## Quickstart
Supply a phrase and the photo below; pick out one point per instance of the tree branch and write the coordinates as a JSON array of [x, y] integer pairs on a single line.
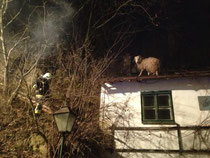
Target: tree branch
[[115, 13], [14, 17], [15, 45]]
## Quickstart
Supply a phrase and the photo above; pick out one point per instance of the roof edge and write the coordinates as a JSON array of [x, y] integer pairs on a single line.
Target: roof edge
[[193, 74]]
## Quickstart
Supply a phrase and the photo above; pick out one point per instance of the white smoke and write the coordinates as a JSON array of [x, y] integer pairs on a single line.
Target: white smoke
[[51, 28]]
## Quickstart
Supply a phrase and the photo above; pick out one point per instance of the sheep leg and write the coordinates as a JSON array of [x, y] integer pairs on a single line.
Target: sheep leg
[[148, 73], [156, 73], [140, 72]]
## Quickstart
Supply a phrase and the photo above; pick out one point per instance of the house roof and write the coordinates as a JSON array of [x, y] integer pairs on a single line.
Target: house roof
[[186, 74]]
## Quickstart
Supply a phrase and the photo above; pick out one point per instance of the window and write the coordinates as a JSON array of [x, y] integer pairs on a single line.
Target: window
[[204, 103], [157, 107]]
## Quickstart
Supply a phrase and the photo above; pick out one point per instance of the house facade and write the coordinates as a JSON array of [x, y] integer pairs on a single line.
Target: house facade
[[158, 116]]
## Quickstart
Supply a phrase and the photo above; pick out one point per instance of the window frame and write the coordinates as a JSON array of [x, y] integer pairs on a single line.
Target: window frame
[[157, 107]]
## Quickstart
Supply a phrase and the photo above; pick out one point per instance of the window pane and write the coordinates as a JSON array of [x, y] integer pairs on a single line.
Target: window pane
[[204, 102], [164, 114], [163, 100], [149, 100], [149, 114]]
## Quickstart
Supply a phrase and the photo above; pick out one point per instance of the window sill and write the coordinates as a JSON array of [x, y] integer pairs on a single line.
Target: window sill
[[158, 122]]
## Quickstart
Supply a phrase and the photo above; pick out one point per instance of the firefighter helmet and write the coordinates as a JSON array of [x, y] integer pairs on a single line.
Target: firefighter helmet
[[47, 76]]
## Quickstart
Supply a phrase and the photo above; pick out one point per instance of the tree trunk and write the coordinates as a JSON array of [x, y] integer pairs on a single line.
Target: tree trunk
[[5, 79], [5, 75]]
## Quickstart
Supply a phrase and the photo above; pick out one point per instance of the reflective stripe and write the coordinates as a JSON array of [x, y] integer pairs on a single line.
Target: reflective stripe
[[38, 96], [38, 108], [37, 111], [34, 86]]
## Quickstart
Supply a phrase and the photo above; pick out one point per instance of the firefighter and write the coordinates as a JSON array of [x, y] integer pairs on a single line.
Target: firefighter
[[42, 91]]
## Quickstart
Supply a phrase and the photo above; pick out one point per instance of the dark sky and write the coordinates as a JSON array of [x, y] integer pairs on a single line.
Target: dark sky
[[181, 39], [176, 31]]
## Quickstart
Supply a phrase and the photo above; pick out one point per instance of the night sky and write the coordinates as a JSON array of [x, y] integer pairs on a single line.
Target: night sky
[[181, 38], [175, 31]]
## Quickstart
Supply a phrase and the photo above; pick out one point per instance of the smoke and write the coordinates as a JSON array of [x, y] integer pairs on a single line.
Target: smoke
[[47, 24], [51, 27]]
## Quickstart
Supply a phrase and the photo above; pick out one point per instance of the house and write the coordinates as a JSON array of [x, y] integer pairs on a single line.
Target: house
[[158, 116]]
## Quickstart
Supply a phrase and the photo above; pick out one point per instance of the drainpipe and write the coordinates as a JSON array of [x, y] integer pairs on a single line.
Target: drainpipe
[[179, 138]]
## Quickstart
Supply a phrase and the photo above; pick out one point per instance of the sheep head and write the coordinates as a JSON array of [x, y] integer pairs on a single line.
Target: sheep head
[[138, 59]]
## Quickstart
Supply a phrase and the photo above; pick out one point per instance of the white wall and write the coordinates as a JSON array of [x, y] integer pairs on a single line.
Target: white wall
[[121, 105], [184, 93]]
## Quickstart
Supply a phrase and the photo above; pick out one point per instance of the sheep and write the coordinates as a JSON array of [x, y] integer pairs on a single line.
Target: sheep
[[150, 64]]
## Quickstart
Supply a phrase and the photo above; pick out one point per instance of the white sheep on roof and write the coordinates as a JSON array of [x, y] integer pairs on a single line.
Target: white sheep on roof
[[150, 64]]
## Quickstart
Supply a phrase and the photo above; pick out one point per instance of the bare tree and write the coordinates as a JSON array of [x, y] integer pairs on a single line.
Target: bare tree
[[12, 48]]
